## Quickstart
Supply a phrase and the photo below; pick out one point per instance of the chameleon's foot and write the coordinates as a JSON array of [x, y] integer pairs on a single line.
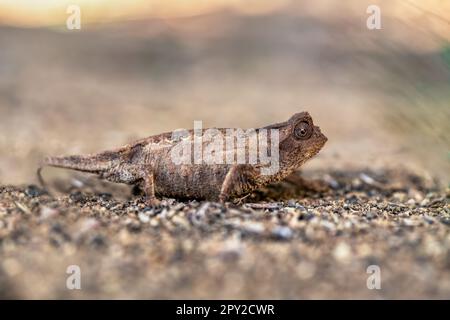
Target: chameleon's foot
[[222, 200], [152, 202], [239, 201], [149, 187]]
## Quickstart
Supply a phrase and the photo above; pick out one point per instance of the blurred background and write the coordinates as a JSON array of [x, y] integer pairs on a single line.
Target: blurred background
[[138, 68]]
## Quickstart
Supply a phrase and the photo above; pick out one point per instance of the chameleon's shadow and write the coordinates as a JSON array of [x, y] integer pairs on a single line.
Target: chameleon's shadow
[[318, 184], [283, 191]]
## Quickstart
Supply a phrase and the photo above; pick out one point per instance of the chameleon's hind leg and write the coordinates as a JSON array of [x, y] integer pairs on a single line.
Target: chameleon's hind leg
[[149, 189], [236, 182]]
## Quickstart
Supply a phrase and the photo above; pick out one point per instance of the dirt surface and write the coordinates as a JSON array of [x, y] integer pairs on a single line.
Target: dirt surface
[[283, 242]]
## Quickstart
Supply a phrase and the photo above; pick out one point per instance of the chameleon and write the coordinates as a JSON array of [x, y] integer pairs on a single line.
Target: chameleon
[[149, 164]]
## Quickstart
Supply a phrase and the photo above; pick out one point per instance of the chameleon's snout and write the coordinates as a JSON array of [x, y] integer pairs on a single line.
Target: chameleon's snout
[[319, 136]]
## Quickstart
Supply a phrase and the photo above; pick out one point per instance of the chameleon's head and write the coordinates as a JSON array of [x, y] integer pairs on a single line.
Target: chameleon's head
[[300, 139]]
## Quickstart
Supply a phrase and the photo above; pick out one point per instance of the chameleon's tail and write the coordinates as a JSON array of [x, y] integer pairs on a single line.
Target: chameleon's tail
[[97, 163], [90, 163]]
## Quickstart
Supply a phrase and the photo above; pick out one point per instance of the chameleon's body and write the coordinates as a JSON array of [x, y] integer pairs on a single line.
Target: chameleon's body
[[149, 164]]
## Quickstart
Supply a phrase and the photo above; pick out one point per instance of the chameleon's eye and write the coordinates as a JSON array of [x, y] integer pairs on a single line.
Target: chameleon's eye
[[303, 130]]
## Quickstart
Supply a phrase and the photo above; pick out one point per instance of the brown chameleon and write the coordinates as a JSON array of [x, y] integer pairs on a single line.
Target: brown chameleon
[[149, 163]]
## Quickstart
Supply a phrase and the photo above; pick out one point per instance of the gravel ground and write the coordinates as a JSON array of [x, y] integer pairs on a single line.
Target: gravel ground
[[281, 242]]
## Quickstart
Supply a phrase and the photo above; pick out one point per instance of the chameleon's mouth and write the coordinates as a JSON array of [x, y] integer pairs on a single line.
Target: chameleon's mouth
[[320, 137]]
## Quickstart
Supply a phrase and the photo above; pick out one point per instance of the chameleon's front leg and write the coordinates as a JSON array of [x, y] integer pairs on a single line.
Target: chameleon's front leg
[[236, 182], [149, 189]]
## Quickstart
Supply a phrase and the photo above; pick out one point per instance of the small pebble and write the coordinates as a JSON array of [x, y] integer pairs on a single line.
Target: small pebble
[[292, 203], [371, 214], [331, 181], [342, 252], [47, 213], [33, 191], [282, 232], [144, 218], [77, 196], [252, 227]]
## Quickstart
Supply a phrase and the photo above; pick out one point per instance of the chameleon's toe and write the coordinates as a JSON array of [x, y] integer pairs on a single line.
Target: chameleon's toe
[[152, 202]]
